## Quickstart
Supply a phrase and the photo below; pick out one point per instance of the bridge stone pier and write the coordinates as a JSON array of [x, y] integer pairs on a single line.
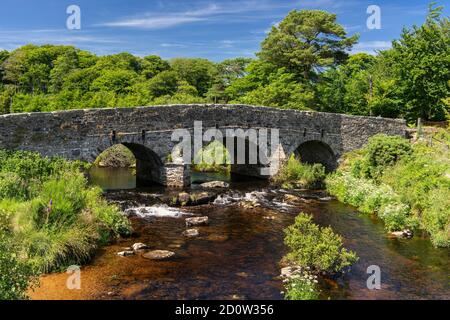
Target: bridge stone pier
[[147, 132]]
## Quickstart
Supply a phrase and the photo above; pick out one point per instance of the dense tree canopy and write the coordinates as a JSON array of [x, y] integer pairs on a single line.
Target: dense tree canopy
[[304, 63]]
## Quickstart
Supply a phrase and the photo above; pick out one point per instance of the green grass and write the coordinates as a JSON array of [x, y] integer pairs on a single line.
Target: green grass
[[295, 174], [54, 216]]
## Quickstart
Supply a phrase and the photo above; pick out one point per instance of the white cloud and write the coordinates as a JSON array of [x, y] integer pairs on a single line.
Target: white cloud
[[208, 12], [371, 46]]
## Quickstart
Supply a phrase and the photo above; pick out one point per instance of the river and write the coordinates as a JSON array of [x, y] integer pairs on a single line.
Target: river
[[237, 256]]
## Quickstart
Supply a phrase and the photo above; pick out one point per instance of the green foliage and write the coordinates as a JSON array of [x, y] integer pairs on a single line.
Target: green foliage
[[410, 80], [411, 190], [48, 207], [117, 156], [305, 41], [380, 153], [316, 248], [421, 65], [300, 175], [303, 286], [16, 276]]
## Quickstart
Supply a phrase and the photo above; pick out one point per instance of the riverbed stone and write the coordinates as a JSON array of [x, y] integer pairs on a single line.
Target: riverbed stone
[[125, 253], [199, 198], [139, 247], [158, 255], [197, 221], [183, 198], [404, 234], [215, 185], [190, 233], [291, 198]]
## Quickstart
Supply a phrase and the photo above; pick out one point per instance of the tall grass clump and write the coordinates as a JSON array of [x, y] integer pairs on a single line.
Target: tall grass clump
[[47, 206], [295, 174], [406, 185]]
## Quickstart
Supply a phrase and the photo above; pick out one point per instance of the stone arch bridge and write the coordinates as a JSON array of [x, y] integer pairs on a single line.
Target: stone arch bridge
[[147, 132]]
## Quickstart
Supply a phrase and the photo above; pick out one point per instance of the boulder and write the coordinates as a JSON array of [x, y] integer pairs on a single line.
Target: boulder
[[158, 255], [190, 233], [215, 185], [291, 198], [125, 253], [139, 246], [199, 198], [193, 199], [197, 221], [405, 234], [183, 198]]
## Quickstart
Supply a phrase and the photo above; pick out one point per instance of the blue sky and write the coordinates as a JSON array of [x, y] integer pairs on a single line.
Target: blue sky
[[210, 29]]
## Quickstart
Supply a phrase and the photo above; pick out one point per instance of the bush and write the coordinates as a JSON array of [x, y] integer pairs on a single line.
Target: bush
[[12, 186], [380, 153], [118, 156], [16, 276], [315, 248], [297, 174]]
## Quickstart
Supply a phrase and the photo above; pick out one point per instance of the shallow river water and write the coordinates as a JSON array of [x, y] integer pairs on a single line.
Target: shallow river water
[[237, 256]]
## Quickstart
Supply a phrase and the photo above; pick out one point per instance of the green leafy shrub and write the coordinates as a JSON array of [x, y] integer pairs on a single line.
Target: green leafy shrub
[[16, 276], [380, 153], [117, 156], [12, 186], [316, 248], [297, 174]]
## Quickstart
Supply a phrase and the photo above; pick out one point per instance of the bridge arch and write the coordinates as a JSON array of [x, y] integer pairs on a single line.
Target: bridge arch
[[316, 151], [149, 166]]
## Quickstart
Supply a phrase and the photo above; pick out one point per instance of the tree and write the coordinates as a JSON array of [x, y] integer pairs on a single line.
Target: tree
[[164, 83], [422, 64], [306, 42], [199, 73], [152, 65]]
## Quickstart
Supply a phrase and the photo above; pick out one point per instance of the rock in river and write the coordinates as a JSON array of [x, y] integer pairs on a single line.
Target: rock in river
[[197, 221], [191, 233], [139, 246], [215, 185], [125, 253], [407, 234], [158, 255]]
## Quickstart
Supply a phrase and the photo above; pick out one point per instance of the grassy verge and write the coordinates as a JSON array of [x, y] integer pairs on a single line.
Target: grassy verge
[[295, 174], [406, 185], [50, 215]]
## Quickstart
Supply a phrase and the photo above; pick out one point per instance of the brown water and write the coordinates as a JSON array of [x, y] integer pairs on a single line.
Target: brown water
[[237, 256]]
